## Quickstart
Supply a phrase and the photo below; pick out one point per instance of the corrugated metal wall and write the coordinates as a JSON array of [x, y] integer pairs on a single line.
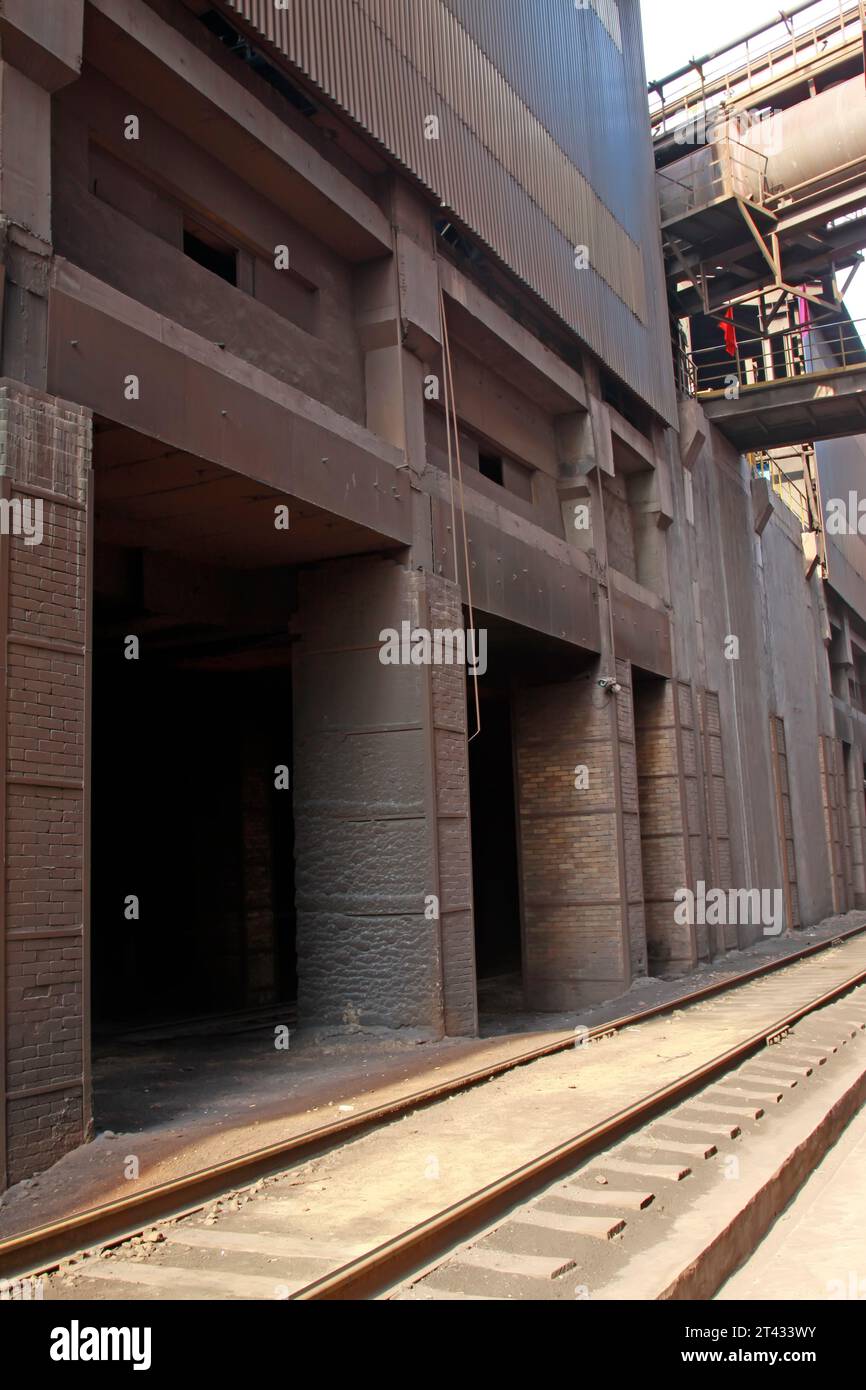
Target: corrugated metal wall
[[543, 142]]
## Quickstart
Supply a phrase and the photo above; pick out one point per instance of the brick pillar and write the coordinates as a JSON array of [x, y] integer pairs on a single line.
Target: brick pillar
[[629, 812], [785, 822], [583, 929], [845, 823], [259, 926], [718, 862], [671, 835], [832, 781], [381, 798], [45, 451], [857, 820]]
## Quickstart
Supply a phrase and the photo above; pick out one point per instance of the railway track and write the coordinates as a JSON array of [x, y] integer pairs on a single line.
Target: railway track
[[667, 1135], [200, 1250]]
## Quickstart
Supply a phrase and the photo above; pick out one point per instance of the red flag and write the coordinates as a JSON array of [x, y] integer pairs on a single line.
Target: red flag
[[730, 332]]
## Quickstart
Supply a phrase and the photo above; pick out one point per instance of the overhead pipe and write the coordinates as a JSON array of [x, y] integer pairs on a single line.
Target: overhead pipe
[[812, 139], [697, 63]]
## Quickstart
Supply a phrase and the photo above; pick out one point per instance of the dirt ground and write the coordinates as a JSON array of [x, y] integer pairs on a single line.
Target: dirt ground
[[175, 1101]]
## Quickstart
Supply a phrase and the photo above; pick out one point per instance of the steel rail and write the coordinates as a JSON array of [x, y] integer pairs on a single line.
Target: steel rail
[[411, 1252], [44, 1247]]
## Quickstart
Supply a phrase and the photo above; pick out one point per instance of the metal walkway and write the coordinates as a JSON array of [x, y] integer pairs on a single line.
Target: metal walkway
[[761, 157]]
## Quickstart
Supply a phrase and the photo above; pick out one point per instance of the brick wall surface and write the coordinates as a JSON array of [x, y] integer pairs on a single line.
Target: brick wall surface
[[665, 812], [834, 796], [845, 824], [857, 819], [583, 930], [784, 822], [625, 761], [719, 865], [45, 452], [259, 947]]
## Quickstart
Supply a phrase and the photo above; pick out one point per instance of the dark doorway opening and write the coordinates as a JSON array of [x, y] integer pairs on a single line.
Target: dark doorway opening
[[494, 840], [514, 657], [192, 899], [192, 883], [192, 912]]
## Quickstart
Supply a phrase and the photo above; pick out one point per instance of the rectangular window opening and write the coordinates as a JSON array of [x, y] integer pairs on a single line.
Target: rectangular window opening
[[212, 252], [490, 466]]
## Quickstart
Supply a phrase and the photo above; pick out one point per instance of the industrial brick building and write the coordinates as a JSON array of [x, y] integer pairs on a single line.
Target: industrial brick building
[[320, 319]]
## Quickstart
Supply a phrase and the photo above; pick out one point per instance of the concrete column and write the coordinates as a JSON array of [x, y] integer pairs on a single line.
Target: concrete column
[[41, 49], [44, 612], [44, 719], [579, 833], [397, 311], [382, 840]]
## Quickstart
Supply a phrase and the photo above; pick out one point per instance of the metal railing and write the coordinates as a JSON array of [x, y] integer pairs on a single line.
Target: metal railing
[[771, 357], [788, 471], [801, 35], [726, 169]]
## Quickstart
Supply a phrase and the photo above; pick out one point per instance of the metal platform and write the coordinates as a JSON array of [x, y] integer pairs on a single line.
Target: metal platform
[[769, 415]]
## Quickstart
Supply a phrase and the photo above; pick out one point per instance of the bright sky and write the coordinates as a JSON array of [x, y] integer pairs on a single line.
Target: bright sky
[[677, 30]]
